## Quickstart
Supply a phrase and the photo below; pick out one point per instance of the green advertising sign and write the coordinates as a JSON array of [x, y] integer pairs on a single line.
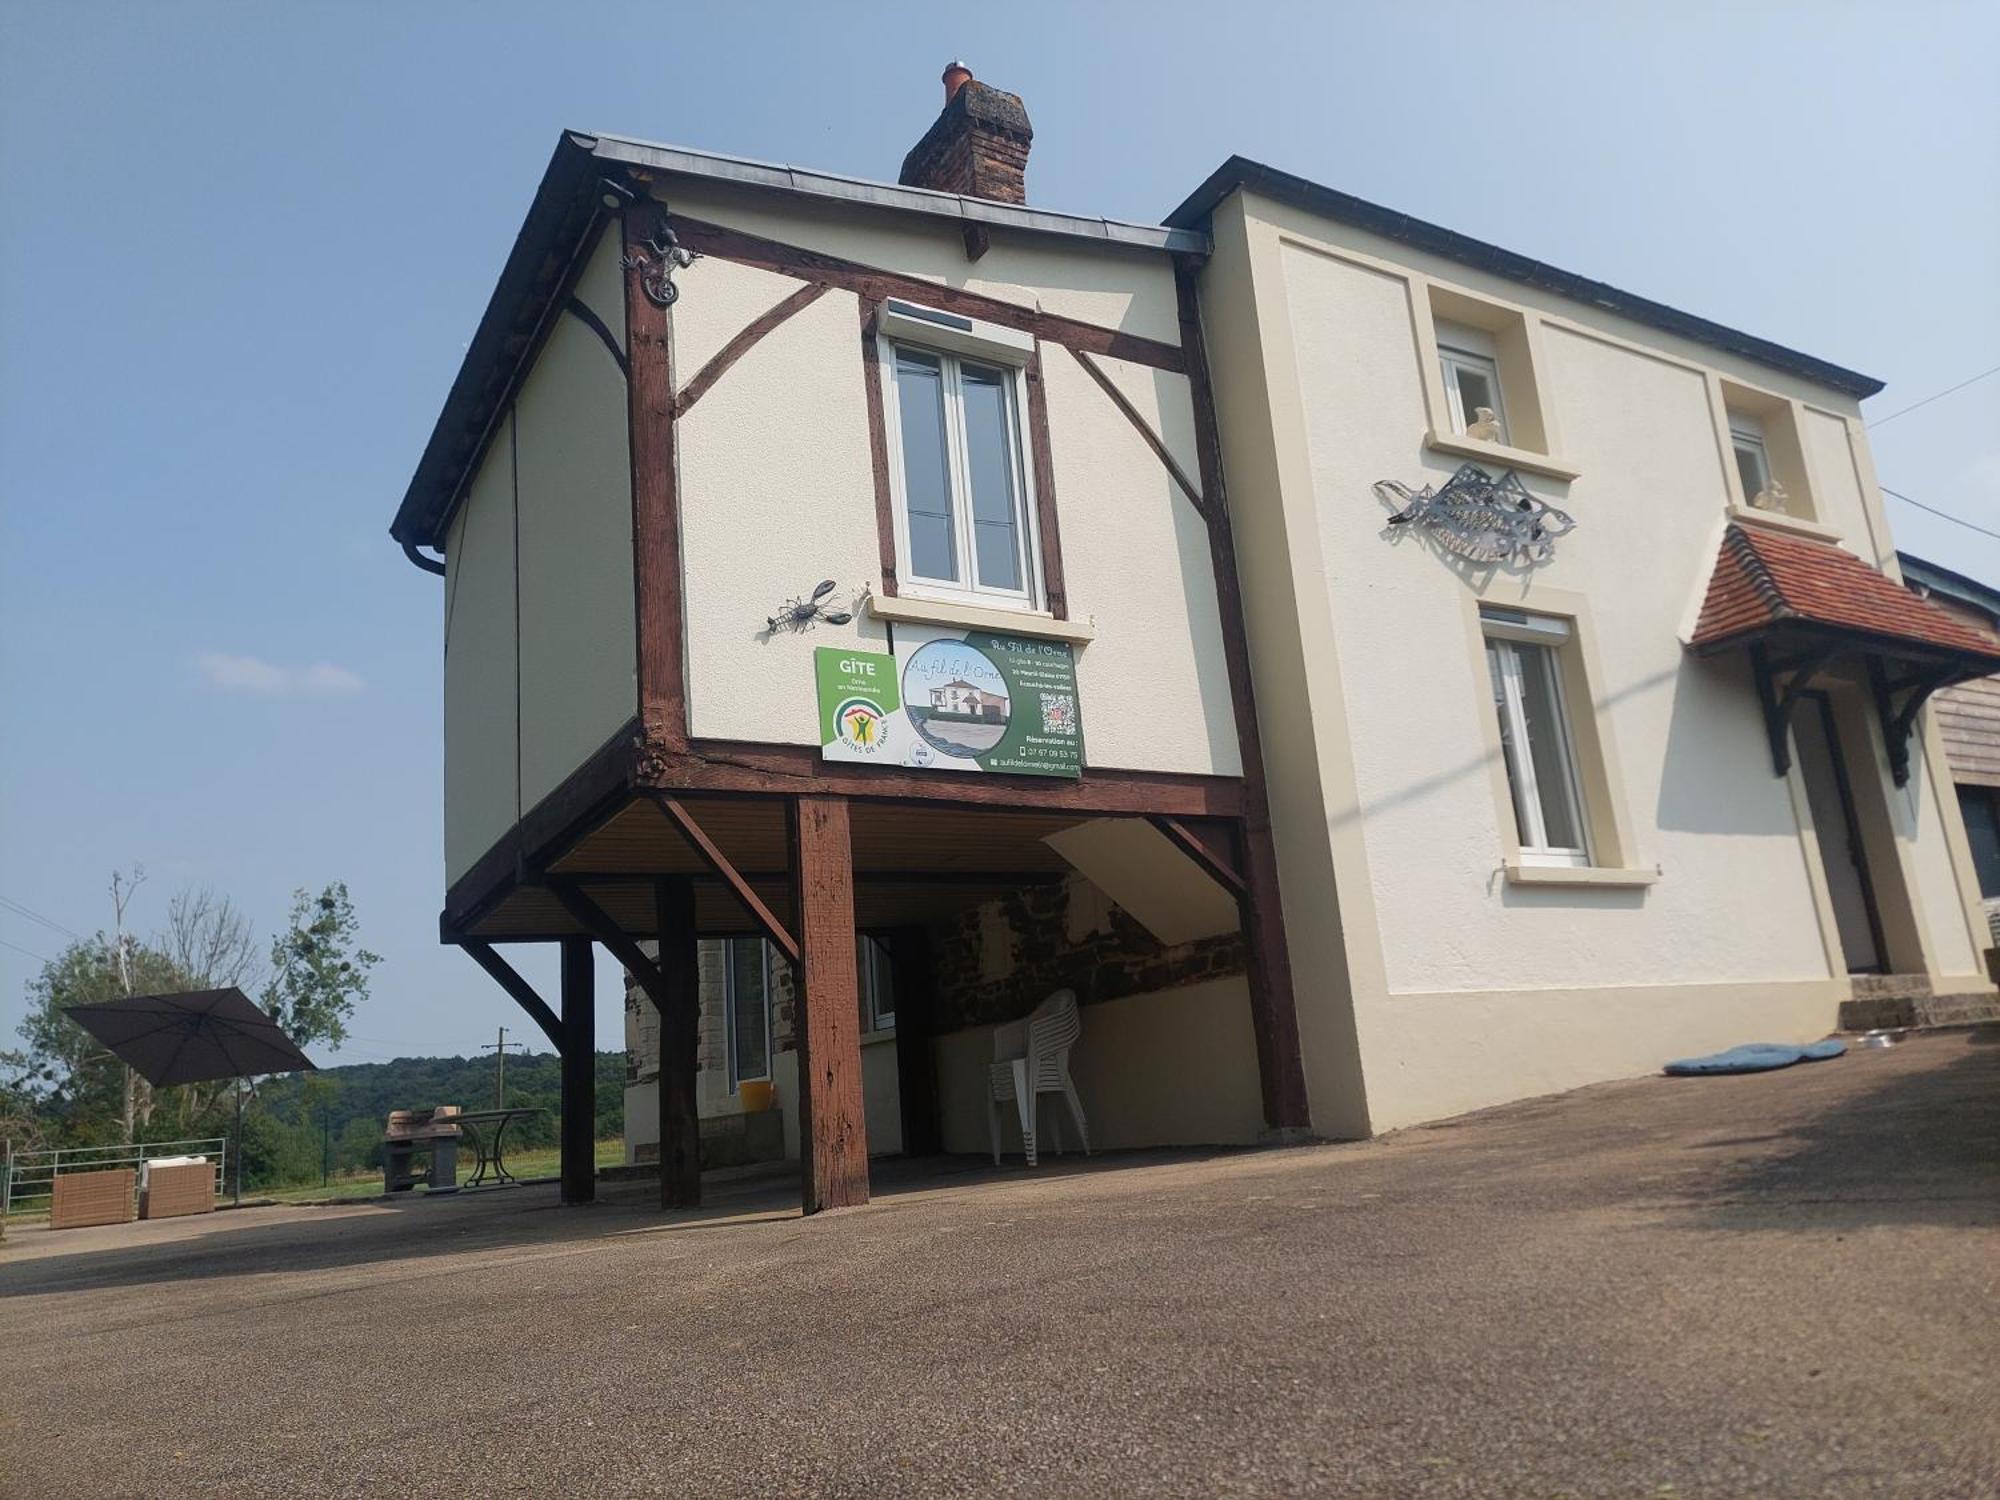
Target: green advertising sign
[[953, 702]]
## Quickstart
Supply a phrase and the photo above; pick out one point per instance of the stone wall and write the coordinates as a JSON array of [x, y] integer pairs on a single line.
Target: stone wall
[[998, 961]]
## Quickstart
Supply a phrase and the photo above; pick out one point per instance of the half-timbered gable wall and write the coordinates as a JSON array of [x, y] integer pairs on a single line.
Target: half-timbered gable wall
[[777, 487]]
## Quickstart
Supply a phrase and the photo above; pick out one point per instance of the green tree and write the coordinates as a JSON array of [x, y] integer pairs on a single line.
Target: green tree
[[318, 974]]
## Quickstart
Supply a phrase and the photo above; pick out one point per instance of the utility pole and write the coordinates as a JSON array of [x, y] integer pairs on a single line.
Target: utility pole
[[499, 1051], [121, 896]]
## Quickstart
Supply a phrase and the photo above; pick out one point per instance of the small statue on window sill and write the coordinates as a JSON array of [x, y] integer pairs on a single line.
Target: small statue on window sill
[[1485, 426], [1771, 497]]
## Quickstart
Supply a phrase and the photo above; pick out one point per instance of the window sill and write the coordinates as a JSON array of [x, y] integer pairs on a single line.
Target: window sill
[[1520, 874], [1500, 454], [1028, 622], [1778, 520], [876, 1038]]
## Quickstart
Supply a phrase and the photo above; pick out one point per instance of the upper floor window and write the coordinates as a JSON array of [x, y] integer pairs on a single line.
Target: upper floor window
[[959, 458], [1471, 367], [1753, 460], [1535, 736]]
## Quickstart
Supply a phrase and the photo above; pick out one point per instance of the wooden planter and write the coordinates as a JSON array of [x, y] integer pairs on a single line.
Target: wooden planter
[[85, 1198]]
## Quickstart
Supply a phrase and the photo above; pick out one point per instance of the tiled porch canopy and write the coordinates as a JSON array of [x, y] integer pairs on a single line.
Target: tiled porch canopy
[[1800, 605]]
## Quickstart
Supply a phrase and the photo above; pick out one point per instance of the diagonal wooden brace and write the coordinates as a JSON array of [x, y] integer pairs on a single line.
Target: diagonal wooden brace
[[717, 861], [509, 979]]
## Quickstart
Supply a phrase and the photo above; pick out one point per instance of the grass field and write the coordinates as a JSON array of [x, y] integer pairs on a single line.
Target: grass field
[[541, 1161]]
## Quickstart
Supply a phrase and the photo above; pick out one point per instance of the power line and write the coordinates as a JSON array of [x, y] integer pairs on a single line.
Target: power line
[[28, 951], [1884, 421], [34, 916], [1942, 514]]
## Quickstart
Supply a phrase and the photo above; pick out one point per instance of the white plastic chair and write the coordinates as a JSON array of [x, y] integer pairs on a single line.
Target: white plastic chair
[[1031, 1058]]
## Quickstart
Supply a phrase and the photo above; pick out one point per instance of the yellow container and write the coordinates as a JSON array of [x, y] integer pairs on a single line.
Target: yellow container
[[756, 1096]]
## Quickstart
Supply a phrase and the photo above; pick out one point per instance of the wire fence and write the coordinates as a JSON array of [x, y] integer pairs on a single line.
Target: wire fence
[[28, 1178]]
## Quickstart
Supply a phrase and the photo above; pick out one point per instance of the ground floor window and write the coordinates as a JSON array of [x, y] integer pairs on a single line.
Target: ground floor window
[[1981, 806], [878, 995], [747, 985], [1535, 739]]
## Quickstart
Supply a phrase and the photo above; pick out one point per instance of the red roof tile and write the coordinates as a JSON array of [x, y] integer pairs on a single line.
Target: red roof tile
[[1764, 578]]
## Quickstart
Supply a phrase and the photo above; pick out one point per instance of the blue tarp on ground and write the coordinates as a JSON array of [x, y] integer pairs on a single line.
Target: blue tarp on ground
[[1756, 1057]]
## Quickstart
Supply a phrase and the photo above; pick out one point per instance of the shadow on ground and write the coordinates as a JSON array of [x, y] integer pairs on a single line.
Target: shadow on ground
[[295, 1239], [1921, 1147]]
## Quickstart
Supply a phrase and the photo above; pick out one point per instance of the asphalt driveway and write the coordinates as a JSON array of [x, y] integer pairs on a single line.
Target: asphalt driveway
[[1773, 1285]]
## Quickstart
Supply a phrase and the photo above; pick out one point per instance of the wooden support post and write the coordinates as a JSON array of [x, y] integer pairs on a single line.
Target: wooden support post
[[833, 1131], [678, 1001], [1273, 1013], [579, 1073], [914, 983]]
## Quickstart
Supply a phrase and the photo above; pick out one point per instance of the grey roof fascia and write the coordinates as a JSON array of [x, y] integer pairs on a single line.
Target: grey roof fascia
[[1240, 172], [685, 162]]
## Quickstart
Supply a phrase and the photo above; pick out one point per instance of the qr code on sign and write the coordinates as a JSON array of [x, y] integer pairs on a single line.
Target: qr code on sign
[[1058, 713]]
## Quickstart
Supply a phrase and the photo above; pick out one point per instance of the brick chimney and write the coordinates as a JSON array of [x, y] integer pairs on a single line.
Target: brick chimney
[[978, 145]]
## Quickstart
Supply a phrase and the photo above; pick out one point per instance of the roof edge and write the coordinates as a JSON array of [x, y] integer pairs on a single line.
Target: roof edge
[[1241, 173]]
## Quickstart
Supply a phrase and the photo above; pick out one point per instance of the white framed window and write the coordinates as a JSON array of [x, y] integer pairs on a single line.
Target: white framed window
[[955, 415], [1471, 367], [1753, 461], [746, 978], [1525, 671], [877, 985]]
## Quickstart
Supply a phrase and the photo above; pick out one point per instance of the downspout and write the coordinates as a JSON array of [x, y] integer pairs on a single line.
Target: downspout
[[428, 564]]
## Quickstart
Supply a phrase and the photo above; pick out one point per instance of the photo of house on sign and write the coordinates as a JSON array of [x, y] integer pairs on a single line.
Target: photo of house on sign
[[956, 698]]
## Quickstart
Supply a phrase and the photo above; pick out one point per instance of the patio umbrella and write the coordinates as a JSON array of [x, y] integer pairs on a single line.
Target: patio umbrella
[[192, 1037]]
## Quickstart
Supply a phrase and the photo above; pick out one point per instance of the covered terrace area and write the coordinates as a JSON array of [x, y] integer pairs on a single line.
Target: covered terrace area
[[809, 873]]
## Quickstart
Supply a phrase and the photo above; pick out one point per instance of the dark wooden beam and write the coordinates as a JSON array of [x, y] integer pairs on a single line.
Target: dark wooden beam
[[872, 281], [746, 340], [1268, 966], [718, 862], [745, 766], [878, 446], [1055, 589], [1144, 429], [977, 878], [677, 997], [509, 979], [833, 1128], [579, 1073], [1222, 871], [656, 526]]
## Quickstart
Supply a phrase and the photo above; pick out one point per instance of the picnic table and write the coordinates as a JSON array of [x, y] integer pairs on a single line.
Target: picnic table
[[488, 1146]]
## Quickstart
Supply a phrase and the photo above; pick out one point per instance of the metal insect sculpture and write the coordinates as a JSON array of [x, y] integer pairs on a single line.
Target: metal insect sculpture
[[657, 271], [808, 610], [1480, 518]]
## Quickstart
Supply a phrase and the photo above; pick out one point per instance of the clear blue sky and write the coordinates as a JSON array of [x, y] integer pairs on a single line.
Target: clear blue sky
[[242, 248]]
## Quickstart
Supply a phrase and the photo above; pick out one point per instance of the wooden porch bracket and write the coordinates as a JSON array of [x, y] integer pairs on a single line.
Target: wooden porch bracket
[[1778, 705], [1900, 719], [717, 861], [833, 1129], [509, 979], [1190, 843]]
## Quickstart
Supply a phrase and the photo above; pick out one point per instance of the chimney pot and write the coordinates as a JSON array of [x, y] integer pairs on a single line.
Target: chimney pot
[[956, 76]]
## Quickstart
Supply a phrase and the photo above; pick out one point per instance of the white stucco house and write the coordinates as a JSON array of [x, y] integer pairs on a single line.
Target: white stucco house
[[1382, 675]]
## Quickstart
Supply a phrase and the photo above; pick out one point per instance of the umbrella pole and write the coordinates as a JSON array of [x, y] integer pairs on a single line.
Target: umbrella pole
[[239, 1143]]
